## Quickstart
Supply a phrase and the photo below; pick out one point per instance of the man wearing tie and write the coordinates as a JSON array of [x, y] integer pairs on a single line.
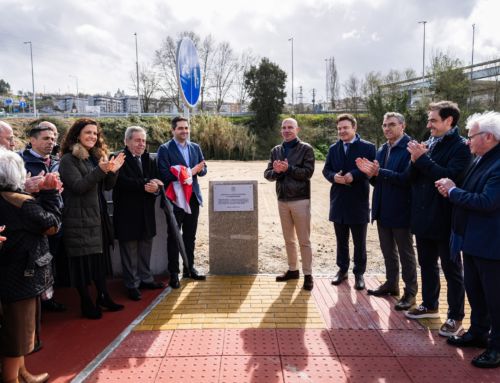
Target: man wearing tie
[[181, 151], [349, 206], [134, 196], [476, 233]]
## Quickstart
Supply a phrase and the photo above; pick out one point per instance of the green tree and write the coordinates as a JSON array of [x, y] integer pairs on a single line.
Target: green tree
[[449, 82], [4, 87], [266, 88]]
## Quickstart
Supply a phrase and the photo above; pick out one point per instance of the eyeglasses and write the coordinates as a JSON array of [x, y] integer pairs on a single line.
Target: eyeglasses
[[390, 125], [10, 138], [474, 135]]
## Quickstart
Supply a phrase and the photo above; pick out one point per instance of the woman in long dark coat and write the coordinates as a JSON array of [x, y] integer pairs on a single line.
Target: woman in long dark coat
[[25, 270], [86, 172]]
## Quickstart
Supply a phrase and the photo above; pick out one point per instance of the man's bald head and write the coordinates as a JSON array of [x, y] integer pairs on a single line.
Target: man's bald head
[[6, 136]]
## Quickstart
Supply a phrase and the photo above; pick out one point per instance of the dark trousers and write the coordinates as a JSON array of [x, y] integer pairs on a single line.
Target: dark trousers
[[482, 284], [359, 239], [429, 251], [188, 223], [397, 246], [135, 257]]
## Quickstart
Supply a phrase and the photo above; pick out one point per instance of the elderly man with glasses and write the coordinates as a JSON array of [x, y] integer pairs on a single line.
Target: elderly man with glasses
[[7, 139]]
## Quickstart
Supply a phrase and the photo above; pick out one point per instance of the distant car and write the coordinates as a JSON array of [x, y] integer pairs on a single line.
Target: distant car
[[2, 112]]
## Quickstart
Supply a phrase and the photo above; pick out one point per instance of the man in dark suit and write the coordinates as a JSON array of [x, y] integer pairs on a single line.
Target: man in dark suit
[[349, 207], [391, 209], [180, 151], [134, 197], [445, 154], [475, 232]]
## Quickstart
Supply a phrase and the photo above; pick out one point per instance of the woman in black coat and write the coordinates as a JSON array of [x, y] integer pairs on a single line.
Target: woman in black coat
[[25, 268], [86, 172]]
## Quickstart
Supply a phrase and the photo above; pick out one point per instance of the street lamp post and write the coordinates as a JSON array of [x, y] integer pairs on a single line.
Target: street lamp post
[[293, 100], [326, 83], [423, 50], [32, 78], [77, 92], [137, 74], [472, 62]]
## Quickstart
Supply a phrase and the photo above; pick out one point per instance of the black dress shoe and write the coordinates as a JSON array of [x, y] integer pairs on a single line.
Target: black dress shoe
[[467, 340], [152, 285], [308, 282], [384, 290], [53, 305], [134, 294], [359, 282], [196, 276], [90, 311], [295, 274], [174, 281], [405, 303], [488, 359], [104, 300], [339, 278]]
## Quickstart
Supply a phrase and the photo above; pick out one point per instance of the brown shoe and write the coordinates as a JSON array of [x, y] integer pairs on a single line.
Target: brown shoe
[[308, 282], [421, 312], [288, 275]]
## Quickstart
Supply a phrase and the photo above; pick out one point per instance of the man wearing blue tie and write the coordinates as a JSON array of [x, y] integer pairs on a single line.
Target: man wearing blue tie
[[349, 206], [180, 151], [475, 232]]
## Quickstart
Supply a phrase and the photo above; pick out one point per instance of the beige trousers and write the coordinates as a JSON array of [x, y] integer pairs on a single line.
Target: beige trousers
[[295, 218]]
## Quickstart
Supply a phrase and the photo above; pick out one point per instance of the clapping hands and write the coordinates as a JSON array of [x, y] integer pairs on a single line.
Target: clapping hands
[[112, 165], [368, 167], [280, 166]]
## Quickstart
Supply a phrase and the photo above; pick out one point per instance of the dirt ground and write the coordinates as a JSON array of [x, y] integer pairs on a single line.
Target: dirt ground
[[272, 255]]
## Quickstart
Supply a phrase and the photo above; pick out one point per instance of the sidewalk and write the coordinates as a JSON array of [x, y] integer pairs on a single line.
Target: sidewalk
[[252, 329]]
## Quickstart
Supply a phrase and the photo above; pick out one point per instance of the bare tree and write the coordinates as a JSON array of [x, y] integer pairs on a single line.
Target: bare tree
[[149, 84], [247, 59], [224, 71], [352, 90], [333, 81], [207, 52]]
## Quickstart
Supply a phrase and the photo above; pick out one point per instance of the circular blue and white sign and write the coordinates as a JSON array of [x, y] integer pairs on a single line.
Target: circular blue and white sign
[[188, 72], [8, 101]]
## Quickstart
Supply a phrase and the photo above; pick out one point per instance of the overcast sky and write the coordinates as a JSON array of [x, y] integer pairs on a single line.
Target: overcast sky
[[93, 39]]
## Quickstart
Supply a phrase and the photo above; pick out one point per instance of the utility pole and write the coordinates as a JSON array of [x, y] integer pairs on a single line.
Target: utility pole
[[423, 51], [32, 78], [314, 100], [326, 83], [472, 63], [293, 100], [137, 74]]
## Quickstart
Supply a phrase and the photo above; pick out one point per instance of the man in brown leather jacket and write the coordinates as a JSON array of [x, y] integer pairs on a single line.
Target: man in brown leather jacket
[[291, 165]]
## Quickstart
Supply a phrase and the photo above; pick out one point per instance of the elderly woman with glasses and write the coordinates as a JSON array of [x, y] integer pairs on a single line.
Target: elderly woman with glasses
[[25, 270]]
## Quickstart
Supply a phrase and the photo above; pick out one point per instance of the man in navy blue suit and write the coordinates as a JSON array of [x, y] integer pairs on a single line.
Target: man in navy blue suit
[[389, 174], [349, 206], [445, 154], [180, 151], [476, 232]]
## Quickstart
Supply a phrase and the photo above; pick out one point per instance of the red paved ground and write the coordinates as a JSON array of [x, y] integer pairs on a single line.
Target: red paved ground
[[364, 340]]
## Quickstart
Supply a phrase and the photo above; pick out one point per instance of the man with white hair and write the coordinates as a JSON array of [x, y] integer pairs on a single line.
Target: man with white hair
[[134, 198], [291, 165], [7, 139], [475, 232]]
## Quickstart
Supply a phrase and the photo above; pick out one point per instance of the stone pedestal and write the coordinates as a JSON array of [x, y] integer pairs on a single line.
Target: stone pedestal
[[233, 227]]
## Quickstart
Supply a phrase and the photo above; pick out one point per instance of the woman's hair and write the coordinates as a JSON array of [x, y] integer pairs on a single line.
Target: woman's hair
[[71, 137], [12, 172]]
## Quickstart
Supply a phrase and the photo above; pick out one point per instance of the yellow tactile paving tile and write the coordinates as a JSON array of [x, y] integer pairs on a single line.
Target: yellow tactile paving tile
[[235, 302], [435, 324]]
